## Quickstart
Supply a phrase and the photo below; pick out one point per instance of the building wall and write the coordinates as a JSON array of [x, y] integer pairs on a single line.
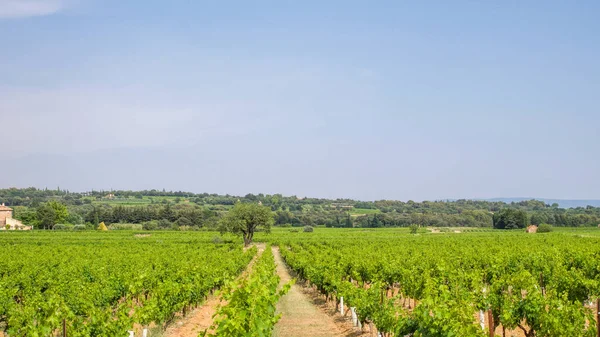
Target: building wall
[[3, 216], [17, 225]]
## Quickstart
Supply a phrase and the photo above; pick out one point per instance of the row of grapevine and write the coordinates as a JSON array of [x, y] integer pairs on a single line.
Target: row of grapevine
[[101, 284], [542, 285], [251, 301]]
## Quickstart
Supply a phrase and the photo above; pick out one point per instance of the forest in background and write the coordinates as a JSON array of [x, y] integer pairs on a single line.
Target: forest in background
[[160, 209]]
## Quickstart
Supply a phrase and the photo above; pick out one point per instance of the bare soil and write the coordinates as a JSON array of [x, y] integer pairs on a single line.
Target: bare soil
[[196, 321], [201, 318]]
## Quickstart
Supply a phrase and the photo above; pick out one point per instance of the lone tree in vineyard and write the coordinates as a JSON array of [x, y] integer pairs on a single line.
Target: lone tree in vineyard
[[245, 219]]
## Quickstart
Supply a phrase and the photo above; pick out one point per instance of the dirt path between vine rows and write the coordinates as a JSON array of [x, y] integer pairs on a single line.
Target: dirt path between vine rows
[[201, 318], [302, 316]]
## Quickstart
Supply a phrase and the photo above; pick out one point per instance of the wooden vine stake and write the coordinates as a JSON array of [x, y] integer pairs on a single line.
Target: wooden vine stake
[[598, 316], [491, 323], [64, 328]]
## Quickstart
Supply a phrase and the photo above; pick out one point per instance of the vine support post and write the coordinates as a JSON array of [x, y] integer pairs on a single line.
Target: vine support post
[[491, 325], [482, 320], [598, 316], [64, 327]]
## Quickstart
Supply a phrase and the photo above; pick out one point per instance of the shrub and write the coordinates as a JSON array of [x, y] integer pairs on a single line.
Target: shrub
[[308, 229], [125, 226], [414, 228], [74, 218], [217, 239], [79, 227], [150, 225], [61, 227], [184, 222], [544, 228], [165, 224]]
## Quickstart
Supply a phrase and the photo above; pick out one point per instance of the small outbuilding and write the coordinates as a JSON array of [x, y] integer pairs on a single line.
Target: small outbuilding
[[532, 229]]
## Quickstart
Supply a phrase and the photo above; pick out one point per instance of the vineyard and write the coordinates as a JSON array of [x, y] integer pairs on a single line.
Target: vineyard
[[394, 283], [102, 285], [456, 285], [250, 308]]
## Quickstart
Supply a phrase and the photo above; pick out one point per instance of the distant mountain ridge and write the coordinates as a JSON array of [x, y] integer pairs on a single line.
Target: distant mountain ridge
[[563, 203]]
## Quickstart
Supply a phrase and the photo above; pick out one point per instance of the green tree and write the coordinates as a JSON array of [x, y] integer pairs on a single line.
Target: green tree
[[51, 213], [349, 221], [376, 222], [184, 222], [509, 218], [60, 209], [74, 219], [538, 218], [284, 217], [165, 224], [307, 220], [26, 215], [150, 225], [244, 219], [167, 213]]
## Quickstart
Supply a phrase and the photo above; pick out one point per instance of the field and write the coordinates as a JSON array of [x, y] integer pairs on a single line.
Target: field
[[363, 211], [133, 201], [106, 283], [102, 284]]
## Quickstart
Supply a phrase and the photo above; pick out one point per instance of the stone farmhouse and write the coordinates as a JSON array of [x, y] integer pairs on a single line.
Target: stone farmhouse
[[8, 223]]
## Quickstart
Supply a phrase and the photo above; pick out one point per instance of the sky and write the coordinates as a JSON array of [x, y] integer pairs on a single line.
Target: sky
[[421, 100]]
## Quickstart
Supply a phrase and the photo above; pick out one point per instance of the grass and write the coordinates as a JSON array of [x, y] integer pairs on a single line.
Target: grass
[[133, 201], [363, 211]]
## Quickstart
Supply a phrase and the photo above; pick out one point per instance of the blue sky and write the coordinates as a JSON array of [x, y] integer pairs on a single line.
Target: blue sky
[[369, 100]]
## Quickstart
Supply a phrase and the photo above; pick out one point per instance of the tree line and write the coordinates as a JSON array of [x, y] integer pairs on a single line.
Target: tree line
[[172, 210]]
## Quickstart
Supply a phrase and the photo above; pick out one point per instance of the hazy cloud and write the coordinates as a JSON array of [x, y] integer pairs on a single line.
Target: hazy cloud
[[74, 120], [27, 8]]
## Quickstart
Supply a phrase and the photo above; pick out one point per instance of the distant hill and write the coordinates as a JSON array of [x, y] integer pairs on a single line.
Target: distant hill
[[563, 203]]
